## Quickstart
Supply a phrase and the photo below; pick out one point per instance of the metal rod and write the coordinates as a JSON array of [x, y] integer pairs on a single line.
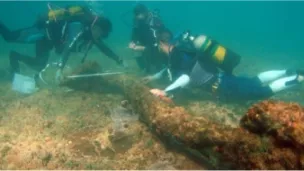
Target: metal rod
[[94, 75]]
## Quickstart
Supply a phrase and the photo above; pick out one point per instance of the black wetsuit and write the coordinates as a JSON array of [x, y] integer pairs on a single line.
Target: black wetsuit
[[28, 36], [59, 36], [180, 62], [205, 74], [144, 34]]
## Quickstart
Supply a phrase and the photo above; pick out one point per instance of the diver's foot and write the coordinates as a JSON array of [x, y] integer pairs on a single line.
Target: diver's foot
[[300, 78], [300, 75], [300, 72]]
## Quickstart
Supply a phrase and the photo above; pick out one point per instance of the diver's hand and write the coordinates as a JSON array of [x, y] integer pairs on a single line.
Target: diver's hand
[[122, 63], [158, 93], [147, 79], [137, 48], [162, 95], [132, 45]]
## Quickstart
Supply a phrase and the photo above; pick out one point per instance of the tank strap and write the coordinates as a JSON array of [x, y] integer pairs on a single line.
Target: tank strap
[[94, 21], [215, 85], [48, 34], [211, 47], [206, 44], [75, 39], [63, 30]]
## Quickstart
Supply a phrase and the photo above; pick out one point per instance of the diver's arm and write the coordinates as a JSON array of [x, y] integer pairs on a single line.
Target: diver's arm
[[74, 33], [67, 49], [135, 47], [134, 39], [7, 34], [158, 75], [139, 48], [24, 35], [62, 63], [182, 81], [107, 51]]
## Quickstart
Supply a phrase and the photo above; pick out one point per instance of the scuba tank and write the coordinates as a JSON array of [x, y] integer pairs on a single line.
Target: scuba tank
[[65, 13], [181, 43], [222, 57], [56, 20]]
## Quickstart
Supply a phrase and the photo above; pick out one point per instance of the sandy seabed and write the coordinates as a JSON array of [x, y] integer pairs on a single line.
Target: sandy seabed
[[57, 129]]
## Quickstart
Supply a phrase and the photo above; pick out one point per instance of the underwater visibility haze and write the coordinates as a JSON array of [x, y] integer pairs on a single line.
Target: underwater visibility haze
[[152, 85]]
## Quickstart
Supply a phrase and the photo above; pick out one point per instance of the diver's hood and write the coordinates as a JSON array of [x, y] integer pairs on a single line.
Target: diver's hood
[[141, 23], [181, 42]]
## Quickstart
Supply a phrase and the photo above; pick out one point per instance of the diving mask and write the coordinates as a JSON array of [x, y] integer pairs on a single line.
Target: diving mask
[[183, 41], [186, 36]]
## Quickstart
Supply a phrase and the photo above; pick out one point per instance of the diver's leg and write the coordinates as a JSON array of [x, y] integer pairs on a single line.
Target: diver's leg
[[259, 92], [38, 62], [7, 34], [147, 59], [268, 76], [286, 82], [242, 89], [14, 58], [24, 35], [43, 48], [300, 72]]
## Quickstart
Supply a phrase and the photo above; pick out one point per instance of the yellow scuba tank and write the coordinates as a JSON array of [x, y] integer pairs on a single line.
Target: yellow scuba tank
[[224, 58], [65, 13]]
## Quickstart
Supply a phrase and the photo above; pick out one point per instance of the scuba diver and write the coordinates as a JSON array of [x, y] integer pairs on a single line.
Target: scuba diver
[[208, 49], [145, 26], [72, 29], [186, 68]]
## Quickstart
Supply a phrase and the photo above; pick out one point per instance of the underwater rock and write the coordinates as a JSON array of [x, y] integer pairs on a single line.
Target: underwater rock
[[121, 141], [160, 165], [278, 140], [121, 137], [125, 104], [235, 148], [122, 117], [211, 144], [90, 83], [283, 121], [86, 83]]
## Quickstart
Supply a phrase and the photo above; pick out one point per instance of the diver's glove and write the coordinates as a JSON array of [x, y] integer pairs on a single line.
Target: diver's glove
[[163, 95], [122, 63], [147, 79]]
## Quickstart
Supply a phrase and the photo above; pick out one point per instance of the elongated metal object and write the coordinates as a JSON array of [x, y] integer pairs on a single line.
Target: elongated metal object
[[94, 75]]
